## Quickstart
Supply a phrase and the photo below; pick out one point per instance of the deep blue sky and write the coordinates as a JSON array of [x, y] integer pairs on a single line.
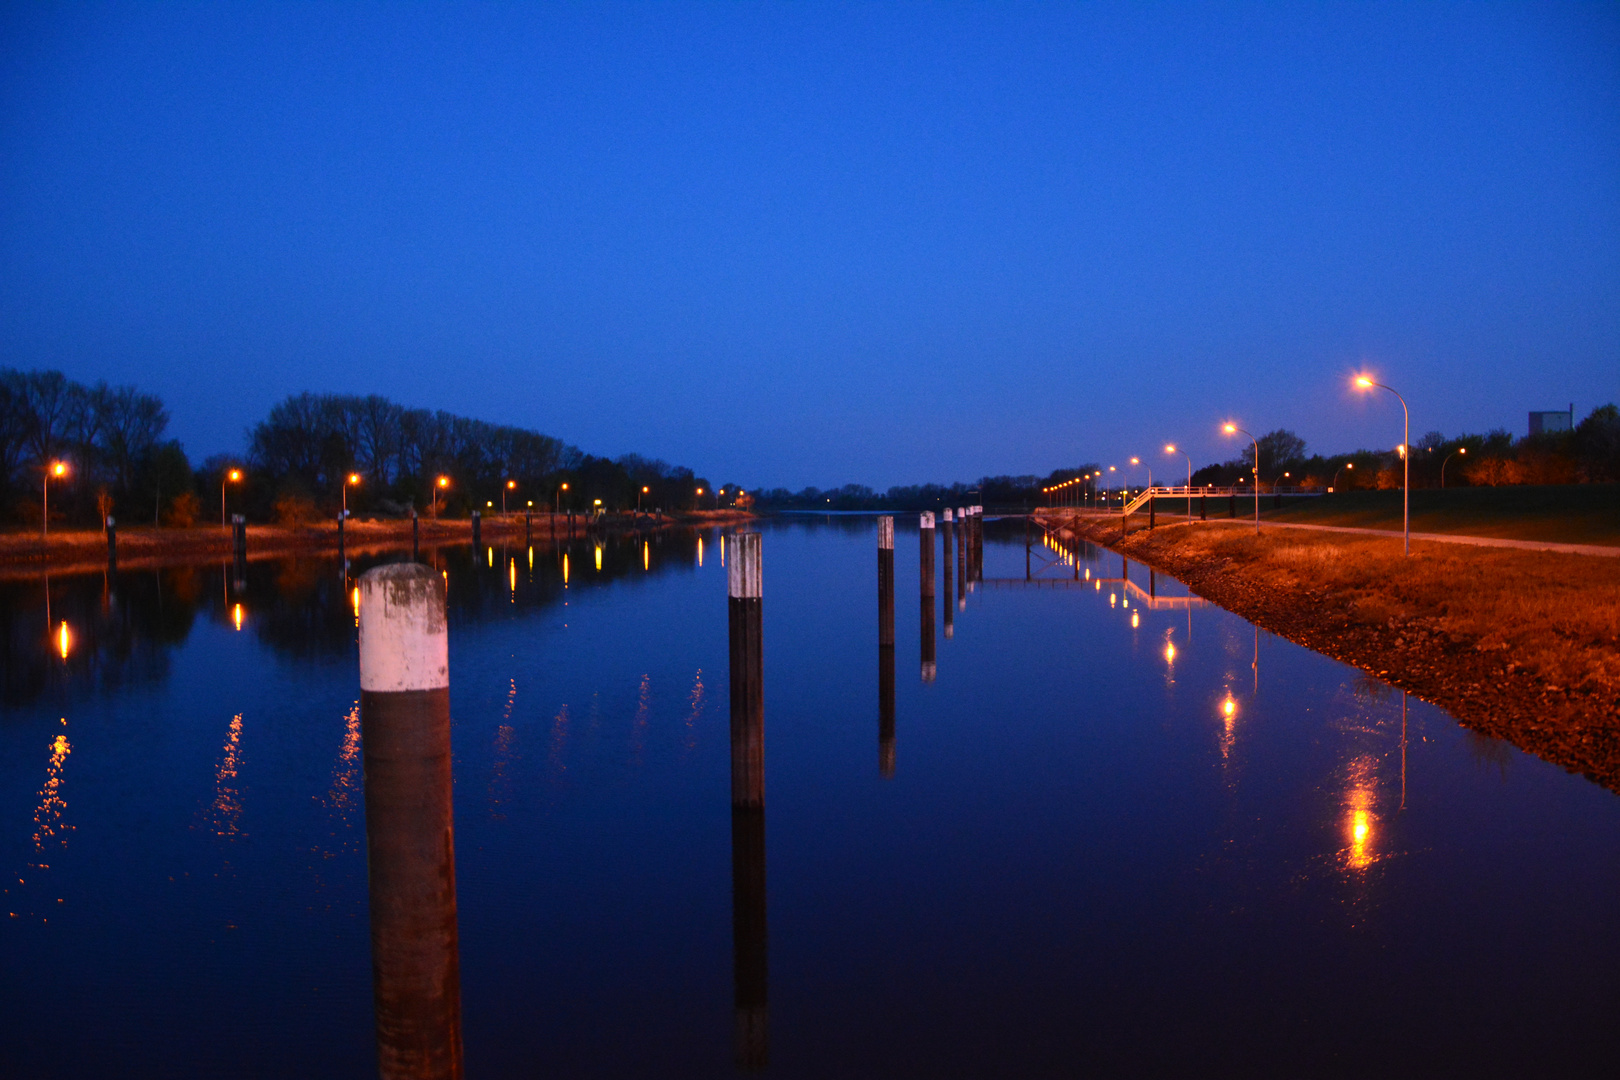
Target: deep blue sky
[[791, 244]]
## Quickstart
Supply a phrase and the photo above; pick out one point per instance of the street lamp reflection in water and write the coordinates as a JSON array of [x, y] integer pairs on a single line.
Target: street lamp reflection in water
[[64, 641]]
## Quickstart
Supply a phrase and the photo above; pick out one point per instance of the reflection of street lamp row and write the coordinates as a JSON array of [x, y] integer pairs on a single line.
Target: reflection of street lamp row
[[1233, 429]]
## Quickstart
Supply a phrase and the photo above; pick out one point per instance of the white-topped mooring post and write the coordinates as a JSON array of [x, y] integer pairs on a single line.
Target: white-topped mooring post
[[410, 831], [962, 544], [745, 588], [925, 552], [947, 539], [886, 582]]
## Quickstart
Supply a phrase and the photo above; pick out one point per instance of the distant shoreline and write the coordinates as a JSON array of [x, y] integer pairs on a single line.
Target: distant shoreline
[[23, 554]]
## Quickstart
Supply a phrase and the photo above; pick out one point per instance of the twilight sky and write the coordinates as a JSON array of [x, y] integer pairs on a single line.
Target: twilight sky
[[823, 243]]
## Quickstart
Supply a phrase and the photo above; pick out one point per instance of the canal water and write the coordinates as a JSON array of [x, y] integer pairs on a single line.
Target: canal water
[[1113, 831]]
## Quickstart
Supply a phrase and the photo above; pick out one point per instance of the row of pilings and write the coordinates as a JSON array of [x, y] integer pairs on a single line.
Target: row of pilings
[[410, 832]]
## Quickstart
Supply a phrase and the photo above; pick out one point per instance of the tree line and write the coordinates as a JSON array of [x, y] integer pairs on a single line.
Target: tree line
[[1589, 453], [310, 454]]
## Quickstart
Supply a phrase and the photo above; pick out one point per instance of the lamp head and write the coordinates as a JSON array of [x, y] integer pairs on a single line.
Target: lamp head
[[1363, 382], [565, 487], [1169, 448], [59, 468], [1136, 461], [1462, 449], [233, 476], [1230, 429], [354, 478], [645, 489], [511, 485], [444, 481]]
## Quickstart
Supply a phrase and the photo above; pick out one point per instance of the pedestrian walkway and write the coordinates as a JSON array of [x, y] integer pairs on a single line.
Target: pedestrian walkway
[[1443, 538]]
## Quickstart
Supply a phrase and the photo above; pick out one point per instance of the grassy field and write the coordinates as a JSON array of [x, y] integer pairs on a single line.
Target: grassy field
[[1571, 514]]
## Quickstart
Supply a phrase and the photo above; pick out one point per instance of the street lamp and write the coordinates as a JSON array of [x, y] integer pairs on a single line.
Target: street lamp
[[644, 490], [1350, 465], [58, 469], [442, 482], [556, 506], [1105, 497], [511, 485], [1233, 429], [1170, 448], [232, 476], [1364, 383], [352, 478], [1454, 453]]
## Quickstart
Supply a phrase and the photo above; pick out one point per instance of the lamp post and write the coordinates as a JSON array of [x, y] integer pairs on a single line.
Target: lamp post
[[1364, 383], [352, 478], [59, 470], [1170, 448], [639, 494], [442, 482], [1454, 453], [556, 505], [232, 476], [511, 485], [700, 498], [1351, 466], [1233, 429], [1105, 492]]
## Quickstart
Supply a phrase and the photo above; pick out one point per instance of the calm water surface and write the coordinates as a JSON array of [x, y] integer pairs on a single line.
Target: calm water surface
[[1116, 834]]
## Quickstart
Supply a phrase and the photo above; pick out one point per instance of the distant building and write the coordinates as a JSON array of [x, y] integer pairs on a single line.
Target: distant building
[[1545, 423]]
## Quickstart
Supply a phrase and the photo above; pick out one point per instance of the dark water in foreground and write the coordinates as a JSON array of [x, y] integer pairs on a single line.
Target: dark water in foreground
[[1117, 840]]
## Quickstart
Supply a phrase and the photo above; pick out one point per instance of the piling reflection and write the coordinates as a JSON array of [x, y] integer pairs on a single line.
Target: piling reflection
[[886, 711], [748, 904]]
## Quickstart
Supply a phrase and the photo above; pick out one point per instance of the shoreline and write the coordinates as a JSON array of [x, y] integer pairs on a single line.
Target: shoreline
[[1517, 645], [144, 547]]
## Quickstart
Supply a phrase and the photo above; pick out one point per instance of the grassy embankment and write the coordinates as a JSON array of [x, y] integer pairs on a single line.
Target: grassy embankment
[[1521, 645], [1568, 514]]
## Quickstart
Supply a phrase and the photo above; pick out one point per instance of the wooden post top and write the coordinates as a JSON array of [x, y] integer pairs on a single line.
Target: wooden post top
[[885, 534], [745, 569], [925, 520]]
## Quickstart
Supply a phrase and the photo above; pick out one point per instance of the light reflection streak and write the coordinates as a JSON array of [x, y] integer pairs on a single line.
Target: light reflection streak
[[512, 579], [64, 641], [1360, 818], [227, 798], [598, 558], [696, 713], [559, 741], [236, 616], [565, 569], [646, 555], [638, 729], [505, 744], [700, 550], [49, 828], [355, 598]]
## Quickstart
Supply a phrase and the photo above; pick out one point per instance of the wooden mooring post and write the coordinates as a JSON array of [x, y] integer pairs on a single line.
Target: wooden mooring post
[[744, 581], [477, 531], [112, 545], [925, 529], [947, 570], [410, 831], [886, 582]]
